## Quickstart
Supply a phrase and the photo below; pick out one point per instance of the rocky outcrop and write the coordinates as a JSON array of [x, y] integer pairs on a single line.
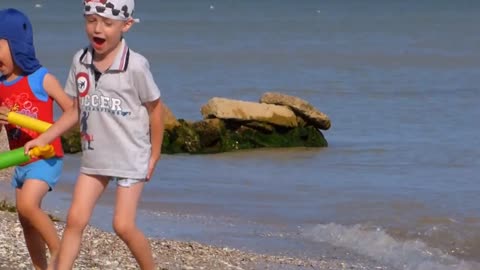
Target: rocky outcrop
[[301, 107], [169, 119], [218, 135], [71, 140], [229, 109], [230, 125]]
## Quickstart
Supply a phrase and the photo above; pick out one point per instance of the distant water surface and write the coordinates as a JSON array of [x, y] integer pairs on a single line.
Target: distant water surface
[[398, 183]]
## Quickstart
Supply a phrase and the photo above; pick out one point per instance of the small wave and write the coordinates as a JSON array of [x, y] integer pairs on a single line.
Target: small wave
[[377, 244]]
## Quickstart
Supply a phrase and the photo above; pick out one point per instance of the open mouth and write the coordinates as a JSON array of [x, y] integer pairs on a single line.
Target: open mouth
[[98, 41]]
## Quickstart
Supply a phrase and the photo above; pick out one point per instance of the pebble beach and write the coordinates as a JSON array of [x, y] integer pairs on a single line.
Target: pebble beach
[[103, 250]]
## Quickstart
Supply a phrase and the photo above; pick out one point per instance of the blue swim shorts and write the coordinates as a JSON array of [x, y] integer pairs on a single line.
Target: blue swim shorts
[[47, 170]]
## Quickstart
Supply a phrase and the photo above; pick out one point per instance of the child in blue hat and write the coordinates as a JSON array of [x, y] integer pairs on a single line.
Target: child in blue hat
[[27, 88]]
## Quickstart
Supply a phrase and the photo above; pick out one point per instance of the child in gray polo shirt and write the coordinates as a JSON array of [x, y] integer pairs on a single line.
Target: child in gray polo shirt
[[120, 112]]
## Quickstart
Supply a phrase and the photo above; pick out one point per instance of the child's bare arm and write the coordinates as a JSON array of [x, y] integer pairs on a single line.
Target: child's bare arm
[[156, 113], [3, 116], [55, 90], [68, 119]]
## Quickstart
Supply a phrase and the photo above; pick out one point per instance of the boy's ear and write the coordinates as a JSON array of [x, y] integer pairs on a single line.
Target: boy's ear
[[127, 25]]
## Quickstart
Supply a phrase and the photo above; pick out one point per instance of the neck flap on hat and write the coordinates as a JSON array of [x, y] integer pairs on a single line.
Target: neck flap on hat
[[17, 30]]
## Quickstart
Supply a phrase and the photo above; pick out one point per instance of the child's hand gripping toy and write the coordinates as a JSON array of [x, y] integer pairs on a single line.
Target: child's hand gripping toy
[[17, 156]]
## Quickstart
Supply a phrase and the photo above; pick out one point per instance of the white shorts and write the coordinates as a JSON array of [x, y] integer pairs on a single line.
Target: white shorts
[[126, 182]]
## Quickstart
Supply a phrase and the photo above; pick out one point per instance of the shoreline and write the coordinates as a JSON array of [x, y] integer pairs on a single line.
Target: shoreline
[[169, 254]]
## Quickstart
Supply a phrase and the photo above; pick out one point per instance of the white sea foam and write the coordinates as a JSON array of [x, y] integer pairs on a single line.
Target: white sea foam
[[378, 245]]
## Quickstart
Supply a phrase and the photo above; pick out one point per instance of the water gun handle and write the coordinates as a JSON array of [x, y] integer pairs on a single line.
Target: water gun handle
[[46, 151], [17, 156]]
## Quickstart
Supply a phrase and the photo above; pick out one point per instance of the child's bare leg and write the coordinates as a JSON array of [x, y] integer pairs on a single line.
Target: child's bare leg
[[35, 244], [124, 225], [87, 191], [38, 228]]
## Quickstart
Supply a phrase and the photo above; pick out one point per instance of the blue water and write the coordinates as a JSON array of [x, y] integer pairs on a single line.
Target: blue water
[[399, 80]]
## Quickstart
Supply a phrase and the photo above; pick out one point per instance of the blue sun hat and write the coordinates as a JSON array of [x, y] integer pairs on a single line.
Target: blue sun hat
[[15, 27]]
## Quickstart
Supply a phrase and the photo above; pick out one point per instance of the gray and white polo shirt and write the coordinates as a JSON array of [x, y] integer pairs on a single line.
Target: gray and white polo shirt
[[114, 125]]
